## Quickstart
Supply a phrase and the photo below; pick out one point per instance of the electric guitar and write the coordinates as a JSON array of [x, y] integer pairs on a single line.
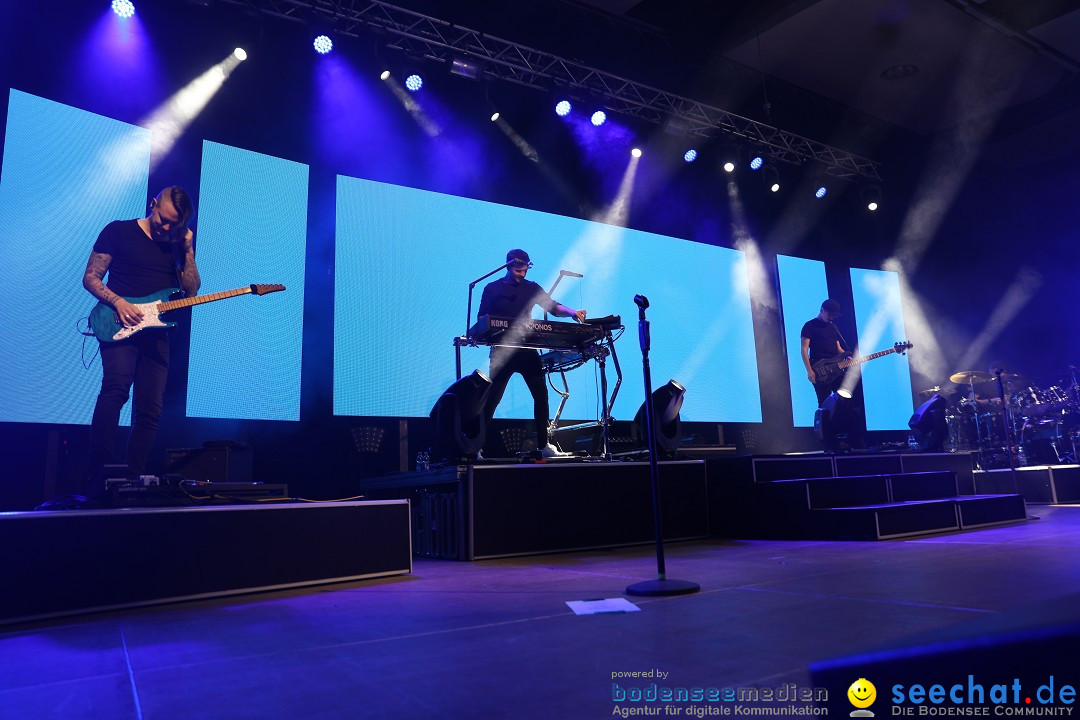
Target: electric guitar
[[107, 327], [827, 370]]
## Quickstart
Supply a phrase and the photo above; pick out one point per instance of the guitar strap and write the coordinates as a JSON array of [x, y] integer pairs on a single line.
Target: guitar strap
[[843, 342]]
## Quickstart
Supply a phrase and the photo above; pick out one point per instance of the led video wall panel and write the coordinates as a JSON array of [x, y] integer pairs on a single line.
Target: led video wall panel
[[66, 174], [246, 351], [404, 261], [879, 317], [803, 288]]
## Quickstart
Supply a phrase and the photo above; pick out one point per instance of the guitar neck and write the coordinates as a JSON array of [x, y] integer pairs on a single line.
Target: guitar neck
[[199, 299], [858, 360]]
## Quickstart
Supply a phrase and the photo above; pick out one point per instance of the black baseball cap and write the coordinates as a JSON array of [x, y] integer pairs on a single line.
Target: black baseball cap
[[831, 306], [518, 254]]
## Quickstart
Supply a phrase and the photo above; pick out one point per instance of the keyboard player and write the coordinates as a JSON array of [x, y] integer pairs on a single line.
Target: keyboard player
[[513, 296]]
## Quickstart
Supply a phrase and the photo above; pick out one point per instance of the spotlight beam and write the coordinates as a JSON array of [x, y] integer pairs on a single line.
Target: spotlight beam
[[170, 119], [412, 107]]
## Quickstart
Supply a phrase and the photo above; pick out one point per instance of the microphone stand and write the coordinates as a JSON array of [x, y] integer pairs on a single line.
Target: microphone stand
[[468, 313], [1010, 431], [662, 585]]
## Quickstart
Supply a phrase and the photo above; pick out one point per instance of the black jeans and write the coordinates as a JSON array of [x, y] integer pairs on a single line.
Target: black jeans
[[824, 390], [503, 364], [141, 361]]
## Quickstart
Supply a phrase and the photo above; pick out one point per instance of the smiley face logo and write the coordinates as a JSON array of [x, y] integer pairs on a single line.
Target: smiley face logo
[[862, 693]]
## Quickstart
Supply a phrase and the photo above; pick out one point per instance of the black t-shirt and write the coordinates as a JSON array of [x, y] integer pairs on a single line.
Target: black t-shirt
[[140, 266], [823, 338], [507, 299]]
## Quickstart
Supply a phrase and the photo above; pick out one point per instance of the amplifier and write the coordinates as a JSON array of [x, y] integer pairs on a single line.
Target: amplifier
[[218, 463]]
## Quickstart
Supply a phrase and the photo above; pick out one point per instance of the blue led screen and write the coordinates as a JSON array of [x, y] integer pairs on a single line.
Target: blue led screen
[[66, 174], [404, 260], [252, 226], [879, 317], [802, 290]]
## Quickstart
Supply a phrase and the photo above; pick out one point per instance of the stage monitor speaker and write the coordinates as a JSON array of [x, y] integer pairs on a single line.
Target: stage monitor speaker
[[230, 462]]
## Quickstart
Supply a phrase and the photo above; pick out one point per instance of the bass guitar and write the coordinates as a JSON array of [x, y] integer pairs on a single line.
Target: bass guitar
[[827, 370], [107, 327]]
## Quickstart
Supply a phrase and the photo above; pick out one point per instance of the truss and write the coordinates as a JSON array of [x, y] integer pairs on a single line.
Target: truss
[[423, 36]]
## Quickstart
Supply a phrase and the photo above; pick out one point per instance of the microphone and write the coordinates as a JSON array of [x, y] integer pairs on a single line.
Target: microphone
[[641, 301], [570, 274]]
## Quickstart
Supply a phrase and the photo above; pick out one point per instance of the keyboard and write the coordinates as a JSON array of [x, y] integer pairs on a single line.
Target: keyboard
[[538, 334]]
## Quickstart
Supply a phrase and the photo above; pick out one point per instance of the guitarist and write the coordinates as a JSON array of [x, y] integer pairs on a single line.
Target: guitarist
[[822, 339], [141, 257]]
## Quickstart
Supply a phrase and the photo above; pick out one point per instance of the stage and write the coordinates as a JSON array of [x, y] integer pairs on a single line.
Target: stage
[[495, 639]]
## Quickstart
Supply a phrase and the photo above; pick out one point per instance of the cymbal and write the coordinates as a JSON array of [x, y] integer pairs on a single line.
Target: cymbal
[[970, 376]]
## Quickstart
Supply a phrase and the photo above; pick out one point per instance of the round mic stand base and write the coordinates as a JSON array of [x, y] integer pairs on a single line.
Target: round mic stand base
[[662, 587]]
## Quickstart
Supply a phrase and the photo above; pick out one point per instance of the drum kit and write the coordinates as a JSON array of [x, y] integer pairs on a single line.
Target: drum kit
[[1038, 425]]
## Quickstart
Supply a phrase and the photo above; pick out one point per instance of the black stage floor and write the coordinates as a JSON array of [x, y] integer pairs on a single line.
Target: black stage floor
[[495, 638]]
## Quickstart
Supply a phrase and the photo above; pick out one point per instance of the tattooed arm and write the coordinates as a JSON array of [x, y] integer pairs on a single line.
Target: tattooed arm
[[96, 267], [189, 273]]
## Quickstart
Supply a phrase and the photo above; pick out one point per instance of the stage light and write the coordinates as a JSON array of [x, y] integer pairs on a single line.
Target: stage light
[[414, 82], [771, 176], [833, 420], [599, 118], [667, 426], [756, 162], [821, 192], [729, 166], [929, 425], [494, 116], [123, 8], [323, 44], [690, 155], [240, 54], [384, 75], [563, 108], [636, 152], [458, 418], [871, 195]]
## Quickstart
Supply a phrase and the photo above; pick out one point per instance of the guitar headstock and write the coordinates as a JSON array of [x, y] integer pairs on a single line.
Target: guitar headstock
[[264, 289], [901, 347]]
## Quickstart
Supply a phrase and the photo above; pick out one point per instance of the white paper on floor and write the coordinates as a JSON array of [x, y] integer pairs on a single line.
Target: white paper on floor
[[602, 605]]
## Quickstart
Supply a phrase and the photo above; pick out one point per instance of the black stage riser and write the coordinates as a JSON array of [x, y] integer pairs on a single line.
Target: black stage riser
[[1051, 484], [823, 497], [486, 511], [61, 563]]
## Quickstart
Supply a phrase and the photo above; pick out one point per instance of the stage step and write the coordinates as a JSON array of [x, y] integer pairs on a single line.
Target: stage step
[[865, 507], [1039, 484]]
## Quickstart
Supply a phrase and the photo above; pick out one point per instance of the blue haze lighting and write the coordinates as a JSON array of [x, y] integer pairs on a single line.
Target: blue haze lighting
[[599, 118], [690, 155], [123, 8], [414, 82], [756, 163], [821, 192], [323, 44], [563, 108]]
